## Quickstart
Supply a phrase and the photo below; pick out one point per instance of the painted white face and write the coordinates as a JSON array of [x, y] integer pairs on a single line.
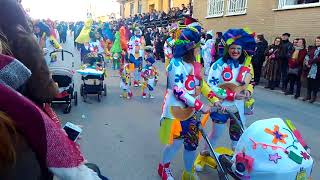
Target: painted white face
[[235, 51]]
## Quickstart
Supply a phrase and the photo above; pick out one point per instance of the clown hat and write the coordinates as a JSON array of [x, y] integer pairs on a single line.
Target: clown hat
[[242, 37], [188, 40]]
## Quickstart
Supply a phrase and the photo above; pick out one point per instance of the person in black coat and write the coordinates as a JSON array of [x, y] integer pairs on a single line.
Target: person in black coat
[[287, 48], [147, 37], [258, 57]]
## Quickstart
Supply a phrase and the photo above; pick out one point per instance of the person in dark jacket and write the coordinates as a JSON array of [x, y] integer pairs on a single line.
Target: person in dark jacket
[[147, 37], [312, 71], [272, 67], [295, 65], [287, 48], [219, 46], [259, 57]]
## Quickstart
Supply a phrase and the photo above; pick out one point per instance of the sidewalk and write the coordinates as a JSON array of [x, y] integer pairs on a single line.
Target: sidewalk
[[263, 83]]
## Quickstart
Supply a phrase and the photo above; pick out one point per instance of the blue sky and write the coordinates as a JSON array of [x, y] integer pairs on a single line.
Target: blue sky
[[69, 9]]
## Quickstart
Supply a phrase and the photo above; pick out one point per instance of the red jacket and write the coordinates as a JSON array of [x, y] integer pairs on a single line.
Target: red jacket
[[297, 63]]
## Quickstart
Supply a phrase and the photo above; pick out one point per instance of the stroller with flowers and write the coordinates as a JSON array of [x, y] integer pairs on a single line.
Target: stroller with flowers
[[62, 74], [93, 73], [268, 149]]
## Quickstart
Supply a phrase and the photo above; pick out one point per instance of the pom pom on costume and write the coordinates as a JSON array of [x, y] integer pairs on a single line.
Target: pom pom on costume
[[84, 34], [116, 51], [123, 38], [116, 47], [106, 32]]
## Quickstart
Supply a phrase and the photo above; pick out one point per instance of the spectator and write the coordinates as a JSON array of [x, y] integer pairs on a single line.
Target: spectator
[[184, 9], [295, 65], [147, 37], [219, 46], [23, 46], [286, 48], [273, 63], [259, 57], [159, 44], [312, 64]]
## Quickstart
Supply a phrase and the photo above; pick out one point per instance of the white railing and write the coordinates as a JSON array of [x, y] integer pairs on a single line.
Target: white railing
[[236, 7], [215, 8], [282, 4]]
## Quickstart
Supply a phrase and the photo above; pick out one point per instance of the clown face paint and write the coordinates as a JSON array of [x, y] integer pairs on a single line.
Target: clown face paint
[[235, 51]]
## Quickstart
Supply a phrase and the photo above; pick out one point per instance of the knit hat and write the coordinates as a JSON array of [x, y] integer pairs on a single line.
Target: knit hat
[[242, 37], [12, 72]]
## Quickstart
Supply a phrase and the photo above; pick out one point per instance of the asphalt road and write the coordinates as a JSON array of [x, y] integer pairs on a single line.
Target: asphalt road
[[121, 136]]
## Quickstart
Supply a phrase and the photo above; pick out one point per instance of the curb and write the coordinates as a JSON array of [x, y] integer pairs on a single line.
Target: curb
[[281, 92]]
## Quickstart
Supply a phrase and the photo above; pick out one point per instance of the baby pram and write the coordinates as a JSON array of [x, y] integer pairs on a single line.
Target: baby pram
[[92, 75], [62, 74], [268, 149]]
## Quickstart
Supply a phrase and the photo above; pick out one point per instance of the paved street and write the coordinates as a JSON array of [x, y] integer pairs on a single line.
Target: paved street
[[121, 136]]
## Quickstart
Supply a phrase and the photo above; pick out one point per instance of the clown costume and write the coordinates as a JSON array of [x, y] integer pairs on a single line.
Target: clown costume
[[149, 73], [135, 50], [233, 73], [178, 121]]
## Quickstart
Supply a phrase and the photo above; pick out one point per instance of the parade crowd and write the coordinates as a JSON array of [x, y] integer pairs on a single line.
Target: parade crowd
[[223, 67]]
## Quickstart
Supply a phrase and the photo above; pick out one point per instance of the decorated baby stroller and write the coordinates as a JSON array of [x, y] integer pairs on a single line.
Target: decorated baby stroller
[[62, 74], [92, 74], [268, 149]]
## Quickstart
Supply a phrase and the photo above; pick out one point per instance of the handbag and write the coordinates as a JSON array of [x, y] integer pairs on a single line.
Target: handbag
[[294, 71]]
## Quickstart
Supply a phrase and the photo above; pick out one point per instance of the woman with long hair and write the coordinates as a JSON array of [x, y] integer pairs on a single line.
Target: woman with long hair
[[273, 63], [23, 46]]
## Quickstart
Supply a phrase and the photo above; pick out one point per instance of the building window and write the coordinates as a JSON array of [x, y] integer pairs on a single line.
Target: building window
[[131, 8], [215, 8], [236, 7], [292, 3], [139, 7]]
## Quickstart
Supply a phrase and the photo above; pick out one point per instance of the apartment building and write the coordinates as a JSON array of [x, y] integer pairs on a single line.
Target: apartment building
[[132, 7], [271, 17]]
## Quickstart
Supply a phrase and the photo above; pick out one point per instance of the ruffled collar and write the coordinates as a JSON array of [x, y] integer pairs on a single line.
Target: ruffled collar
[[233, 62]]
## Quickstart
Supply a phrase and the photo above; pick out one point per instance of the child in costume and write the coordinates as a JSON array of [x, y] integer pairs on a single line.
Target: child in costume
[[149, 74], [233, 72], [168, 45], [178, 121], [116, 52], [95, 45], [125, 80], [136, 54], [270, 149], [46, 41]]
